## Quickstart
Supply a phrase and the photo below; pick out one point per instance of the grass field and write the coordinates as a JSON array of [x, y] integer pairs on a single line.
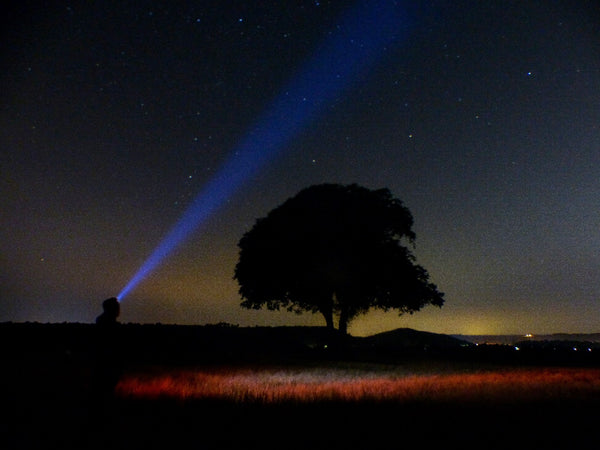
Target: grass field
[[370, 406], [484, 401], [363, 383], [332, 405]]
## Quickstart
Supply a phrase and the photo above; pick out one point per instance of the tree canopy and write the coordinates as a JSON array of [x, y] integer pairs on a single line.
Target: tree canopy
[[335, 249]]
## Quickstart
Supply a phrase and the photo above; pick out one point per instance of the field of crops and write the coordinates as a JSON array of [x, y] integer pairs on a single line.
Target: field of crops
[[497, 398], [333, 405], [370, 406], [360, 383]]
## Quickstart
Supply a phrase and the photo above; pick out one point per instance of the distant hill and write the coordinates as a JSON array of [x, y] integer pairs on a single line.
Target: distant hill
[[409, 338]]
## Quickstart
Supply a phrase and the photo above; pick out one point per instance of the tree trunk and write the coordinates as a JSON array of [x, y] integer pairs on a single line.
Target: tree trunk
[[327, 312], [328, 319], [343, 326]]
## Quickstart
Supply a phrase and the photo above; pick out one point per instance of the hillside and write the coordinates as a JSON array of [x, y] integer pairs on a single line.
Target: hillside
[[226, 343], [410, 338], [218, 343]]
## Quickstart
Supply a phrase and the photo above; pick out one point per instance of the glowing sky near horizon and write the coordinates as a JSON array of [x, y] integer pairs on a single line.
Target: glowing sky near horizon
[[484, 121]]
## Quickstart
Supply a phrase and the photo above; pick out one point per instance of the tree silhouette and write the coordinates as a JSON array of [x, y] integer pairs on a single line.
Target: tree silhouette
[[337, 250]]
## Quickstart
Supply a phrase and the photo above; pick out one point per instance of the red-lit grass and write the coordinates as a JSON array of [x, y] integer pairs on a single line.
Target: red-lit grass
[[306, 385]]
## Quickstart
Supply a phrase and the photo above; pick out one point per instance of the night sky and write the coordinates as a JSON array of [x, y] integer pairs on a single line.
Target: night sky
[[482, 117]]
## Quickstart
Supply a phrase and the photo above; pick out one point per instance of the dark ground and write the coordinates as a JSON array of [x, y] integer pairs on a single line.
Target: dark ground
[[46, 401]]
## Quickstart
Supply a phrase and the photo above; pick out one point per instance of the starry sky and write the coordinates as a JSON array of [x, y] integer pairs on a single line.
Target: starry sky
[[482, 117]]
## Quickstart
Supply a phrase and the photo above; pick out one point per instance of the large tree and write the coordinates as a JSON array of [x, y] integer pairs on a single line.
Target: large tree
[[334, 249]]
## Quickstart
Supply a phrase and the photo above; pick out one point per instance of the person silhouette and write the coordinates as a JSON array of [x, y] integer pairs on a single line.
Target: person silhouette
[[111, 310], [108, 360]]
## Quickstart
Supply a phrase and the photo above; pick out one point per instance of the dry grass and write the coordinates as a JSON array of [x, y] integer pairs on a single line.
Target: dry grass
[[318, 384]]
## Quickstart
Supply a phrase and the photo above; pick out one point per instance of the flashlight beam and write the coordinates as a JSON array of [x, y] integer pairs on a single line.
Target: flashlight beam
[[345, 57]]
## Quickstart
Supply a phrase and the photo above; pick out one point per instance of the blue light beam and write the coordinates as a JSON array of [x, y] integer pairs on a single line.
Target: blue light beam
[[350, 50]]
